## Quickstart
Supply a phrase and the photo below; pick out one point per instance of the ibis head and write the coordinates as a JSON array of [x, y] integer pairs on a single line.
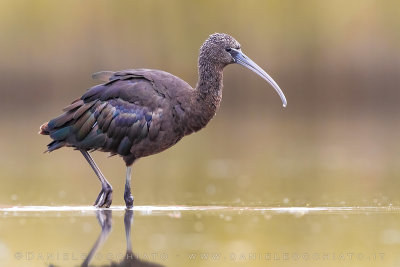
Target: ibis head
[[221, 49]]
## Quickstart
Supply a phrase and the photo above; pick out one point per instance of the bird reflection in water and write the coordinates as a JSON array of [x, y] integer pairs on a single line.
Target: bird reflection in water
[[104, 218]]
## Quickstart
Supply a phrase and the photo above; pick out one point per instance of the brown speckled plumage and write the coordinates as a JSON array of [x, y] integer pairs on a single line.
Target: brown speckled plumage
[[140, 112]]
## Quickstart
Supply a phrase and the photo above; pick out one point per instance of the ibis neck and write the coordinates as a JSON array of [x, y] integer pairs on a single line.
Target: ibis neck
[[209, 85], [208, 95]]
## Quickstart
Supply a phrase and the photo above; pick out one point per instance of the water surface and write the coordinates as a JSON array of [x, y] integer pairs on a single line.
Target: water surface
[[199, 236]]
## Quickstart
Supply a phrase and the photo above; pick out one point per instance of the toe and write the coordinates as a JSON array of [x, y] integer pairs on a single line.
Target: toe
[[129, 201], [108, 200], [99, 198]]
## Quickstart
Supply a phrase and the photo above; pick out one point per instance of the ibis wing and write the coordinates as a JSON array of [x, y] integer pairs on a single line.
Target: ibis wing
[[130, 86], [124, 124], [112, 116]]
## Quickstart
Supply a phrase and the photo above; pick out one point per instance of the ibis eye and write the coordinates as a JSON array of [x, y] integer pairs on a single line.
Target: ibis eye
[[228, 49]]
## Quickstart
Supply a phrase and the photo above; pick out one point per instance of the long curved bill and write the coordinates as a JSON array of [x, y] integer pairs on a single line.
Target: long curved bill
[[244, 60]]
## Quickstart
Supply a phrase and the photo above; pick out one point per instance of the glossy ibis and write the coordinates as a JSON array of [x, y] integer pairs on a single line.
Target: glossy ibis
[[140, 112]]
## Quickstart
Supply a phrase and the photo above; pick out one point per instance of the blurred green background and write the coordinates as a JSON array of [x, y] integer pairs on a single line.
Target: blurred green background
[[336, 143]]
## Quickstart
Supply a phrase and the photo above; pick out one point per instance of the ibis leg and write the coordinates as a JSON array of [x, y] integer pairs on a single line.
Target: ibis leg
[[104, 199], [128, 195]]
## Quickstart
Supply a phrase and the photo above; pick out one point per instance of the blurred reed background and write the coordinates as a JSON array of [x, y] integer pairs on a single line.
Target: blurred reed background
[[336, 143]]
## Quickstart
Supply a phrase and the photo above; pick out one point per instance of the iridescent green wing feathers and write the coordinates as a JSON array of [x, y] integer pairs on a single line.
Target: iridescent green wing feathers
[[112, 116]]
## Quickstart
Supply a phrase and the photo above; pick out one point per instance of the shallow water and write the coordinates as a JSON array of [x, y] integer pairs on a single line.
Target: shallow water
[[200, 236], [314, 184]]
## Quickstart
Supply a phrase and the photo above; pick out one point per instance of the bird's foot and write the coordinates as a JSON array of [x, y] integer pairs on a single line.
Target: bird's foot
[[104, 199], [128, 200]]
